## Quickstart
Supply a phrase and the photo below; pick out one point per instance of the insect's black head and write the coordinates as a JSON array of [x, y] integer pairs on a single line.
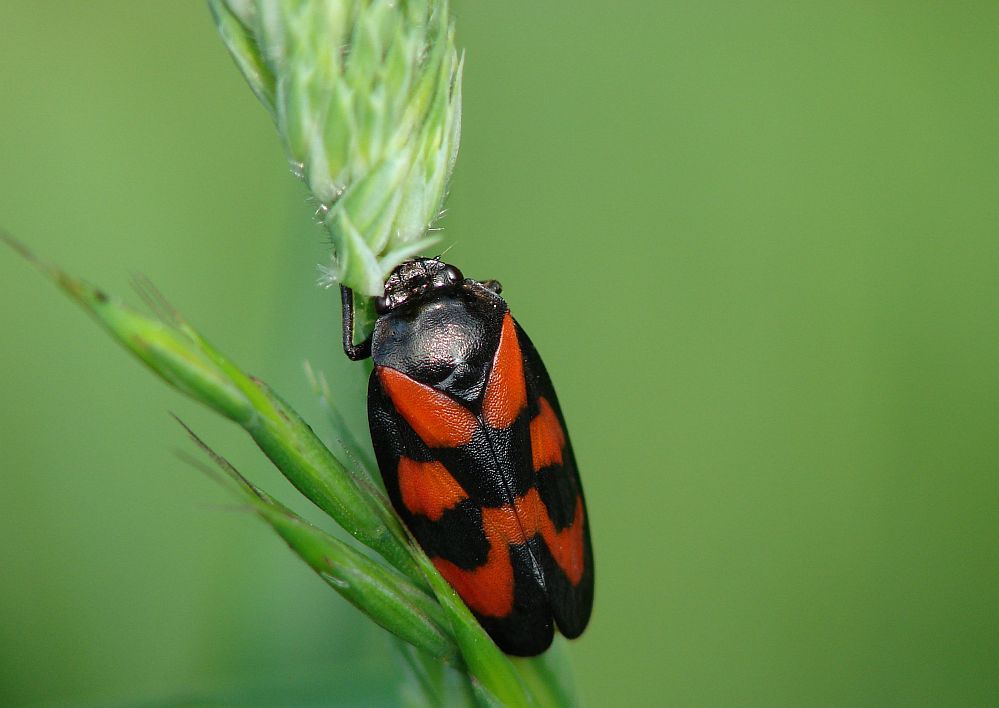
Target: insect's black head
[[415, 278]]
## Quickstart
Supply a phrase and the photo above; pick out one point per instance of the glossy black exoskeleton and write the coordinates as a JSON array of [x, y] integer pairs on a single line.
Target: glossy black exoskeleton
[[474, 453]]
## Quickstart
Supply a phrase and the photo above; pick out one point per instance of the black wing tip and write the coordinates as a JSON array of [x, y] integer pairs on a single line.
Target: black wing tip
[[519, 638]]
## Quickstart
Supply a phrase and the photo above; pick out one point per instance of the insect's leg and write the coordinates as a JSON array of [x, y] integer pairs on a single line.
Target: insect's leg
[[493, 285], [354, 352]]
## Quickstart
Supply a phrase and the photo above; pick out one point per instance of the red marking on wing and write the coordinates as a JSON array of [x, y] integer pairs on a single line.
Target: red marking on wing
[[547, 437], [566, 545], [506, 392], [437, 419], [427, 488], [488, 589]]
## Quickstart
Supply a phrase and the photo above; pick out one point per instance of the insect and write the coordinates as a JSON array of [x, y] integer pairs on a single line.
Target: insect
[[473, 449]]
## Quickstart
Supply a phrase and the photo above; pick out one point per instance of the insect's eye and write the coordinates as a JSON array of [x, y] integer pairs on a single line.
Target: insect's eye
[[453, 274], [380, 305]]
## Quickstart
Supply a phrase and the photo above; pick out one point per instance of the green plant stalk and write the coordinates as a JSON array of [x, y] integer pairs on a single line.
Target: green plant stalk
[[381, 592], [348, 442], [496, 678], [181, 357], [366, 97], [549, 676], [436, 683]]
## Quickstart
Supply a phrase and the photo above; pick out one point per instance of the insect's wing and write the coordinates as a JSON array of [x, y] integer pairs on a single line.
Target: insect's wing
[[494, 498], [437, 510], [433, 454], [566, 553]]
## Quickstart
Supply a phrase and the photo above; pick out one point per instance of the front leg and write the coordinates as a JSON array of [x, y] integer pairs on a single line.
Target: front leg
[[354, 352]]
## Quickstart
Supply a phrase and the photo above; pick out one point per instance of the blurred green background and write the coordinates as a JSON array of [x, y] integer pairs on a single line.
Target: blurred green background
[[757, 244]]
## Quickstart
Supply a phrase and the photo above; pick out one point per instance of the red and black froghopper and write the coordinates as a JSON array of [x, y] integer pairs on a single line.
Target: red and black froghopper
[[474, 452]]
